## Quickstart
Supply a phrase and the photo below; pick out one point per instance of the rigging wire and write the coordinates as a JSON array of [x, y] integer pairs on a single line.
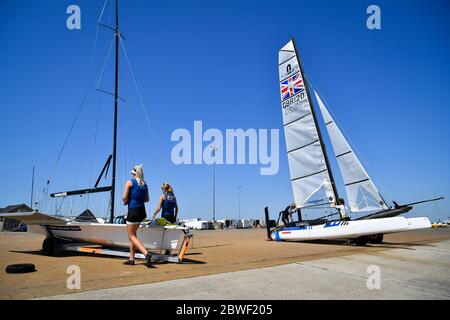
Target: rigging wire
[[125, 136], [128, 140], [45, 191], [143, 108], [60, 205], [121, 156], [100, 78], [96, 36], [101, 14], [352, 145], [125, 127], [79, 165], [98, 105], [94, 147]]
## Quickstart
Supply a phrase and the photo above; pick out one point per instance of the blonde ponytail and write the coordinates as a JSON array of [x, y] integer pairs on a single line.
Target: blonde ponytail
[[139, 174]]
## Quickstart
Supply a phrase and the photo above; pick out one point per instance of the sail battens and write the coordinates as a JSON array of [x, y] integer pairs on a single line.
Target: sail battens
[[309, 175], [361, 192], [306, 145], [287, 59], [343, 154], [322, 205], [355, 182], [293, 121], [310, 178]]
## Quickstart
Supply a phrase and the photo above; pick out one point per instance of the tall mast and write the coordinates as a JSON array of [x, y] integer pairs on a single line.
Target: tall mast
[[116, 91], [322, 145]]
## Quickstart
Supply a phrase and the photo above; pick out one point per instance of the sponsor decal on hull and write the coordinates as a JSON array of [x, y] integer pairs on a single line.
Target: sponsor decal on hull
[[63, 228]]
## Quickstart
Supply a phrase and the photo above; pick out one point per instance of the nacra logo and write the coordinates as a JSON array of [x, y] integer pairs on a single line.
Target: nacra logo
[[314, 202]]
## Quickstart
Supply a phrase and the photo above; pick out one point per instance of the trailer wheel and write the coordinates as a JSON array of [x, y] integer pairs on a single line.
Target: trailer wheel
[[361, 241], [376, 238], [48, 246], [20, 268]]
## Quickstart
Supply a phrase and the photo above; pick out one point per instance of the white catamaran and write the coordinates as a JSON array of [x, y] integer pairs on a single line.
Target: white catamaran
[[86, 229], [312, 180]]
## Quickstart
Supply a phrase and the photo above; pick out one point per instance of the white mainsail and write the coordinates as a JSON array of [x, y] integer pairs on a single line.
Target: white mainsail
[[361, 191], [310, 178]]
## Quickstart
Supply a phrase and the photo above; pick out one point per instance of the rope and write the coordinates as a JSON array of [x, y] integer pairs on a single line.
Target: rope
[[104, 63], [99, 102], [352, 145], [80, 108], [94, 147], [101, 14], [143, 107]]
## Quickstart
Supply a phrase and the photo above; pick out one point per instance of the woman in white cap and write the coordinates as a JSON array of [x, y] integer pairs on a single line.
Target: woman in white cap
[[135, 196]]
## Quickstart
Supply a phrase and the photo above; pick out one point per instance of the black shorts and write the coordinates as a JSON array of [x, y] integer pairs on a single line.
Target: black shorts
[[170, 217], [136, 215]]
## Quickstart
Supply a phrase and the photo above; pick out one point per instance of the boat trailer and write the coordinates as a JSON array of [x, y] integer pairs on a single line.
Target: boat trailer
[[50, 244]]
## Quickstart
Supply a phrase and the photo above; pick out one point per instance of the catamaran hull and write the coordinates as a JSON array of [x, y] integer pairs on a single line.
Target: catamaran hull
[[418, 223], [387, 213], [350, 229], [113, 235]]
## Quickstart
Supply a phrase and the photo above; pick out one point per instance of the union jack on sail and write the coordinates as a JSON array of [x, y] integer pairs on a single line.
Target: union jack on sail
[[291, 86]]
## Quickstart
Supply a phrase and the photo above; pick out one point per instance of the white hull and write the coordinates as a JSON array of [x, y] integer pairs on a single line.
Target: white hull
[[350, 229], [114, 235], [418, 223]]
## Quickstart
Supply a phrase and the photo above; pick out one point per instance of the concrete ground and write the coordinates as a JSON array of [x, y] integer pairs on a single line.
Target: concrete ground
[[221, 253], [418, 272]]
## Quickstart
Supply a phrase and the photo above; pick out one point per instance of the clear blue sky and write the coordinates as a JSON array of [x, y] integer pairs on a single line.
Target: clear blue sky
[[216, 61]]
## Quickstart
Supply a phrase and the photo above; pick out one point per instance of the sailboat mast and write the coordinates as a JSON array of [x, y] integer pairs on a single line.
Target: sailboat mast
[[116, 91], [322, 145]]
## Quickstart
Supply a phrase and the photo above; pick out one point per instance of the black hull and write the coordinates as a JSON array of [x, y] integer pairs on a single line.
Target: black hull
[[387, 213]]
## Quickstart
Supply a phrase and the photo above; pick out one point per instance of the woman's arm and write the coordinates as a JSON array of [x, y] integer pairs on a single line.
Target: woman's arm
[[161, 199], [176, 209], [126, 192]]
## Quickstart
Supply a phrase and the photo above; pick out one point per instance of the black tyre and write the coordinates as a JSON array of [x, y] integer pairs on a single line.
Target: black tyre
[[361, 241], [20, 268], [376, 238], [48, 246]]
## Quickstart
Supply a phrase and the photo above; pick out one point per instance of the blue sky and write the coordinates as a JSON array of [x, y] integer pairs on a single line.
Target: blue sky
[[216, 61]]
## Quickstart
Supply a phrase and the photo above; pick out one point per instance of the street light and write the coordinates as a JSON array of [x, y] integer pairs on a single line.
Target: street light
[[239, 201], [214, 149]]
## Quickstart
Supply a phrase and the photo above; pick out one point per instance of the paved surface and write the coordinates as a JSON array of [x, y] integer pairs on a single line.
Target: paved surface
[[418, 272], [212, 253]]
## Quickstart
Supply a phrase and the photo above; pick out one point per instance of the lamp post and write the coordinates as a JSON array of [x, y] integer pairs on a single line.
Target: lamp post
[[32, 189], [239, 201], [213, 150]]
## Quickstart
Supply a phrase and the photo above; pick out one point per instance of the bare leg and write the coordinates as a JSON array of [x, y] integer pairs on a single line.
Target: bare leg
[[132, 250], [132, 228]]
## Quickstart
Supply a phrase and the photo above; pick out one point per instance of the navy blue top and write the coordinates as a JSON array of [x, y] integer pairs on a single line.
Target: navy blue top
[[138, 195], [168, 205]]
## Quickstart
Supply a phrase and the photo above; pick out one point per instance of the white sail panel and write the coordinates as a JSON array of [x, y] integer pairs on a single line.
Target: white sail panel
[[361, 192], [311, 182]]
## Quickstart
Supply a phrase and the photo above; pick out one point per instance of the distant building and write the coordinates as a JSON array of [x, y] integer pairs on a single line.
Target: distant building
[[198, 224], [9, 224]]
